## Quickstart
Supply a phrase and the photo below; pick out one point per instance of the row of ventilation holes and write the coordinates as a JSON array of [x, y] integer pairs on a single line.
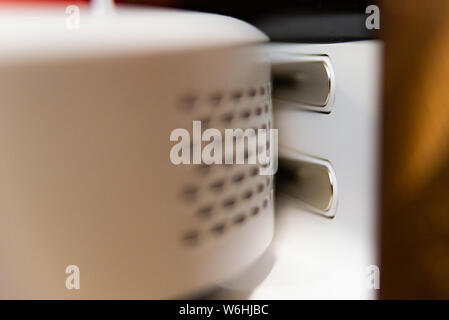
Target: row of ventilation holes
[[264, 126], [228, 117], [191, 238], [190, 193], [206, 211], [205, 168], [188, 102]]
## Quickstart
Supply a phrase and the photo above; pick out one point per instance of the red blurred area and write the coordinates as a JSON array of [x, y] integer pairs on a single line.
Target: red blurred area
[[41, 1]]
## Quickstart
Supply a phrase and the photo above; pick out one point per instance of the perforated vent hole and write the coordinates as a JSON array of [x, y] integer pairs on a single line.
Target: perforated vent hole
[[190, 193], [265, 165], [238, 177], [205, 212], [218, 228], [187, 103], [264, 203], [247, 194], [260, 187], [236, 95], [255, 211], [239, 219], [191, 238], [258, 111], [228, 203], [216, 99], [245, 114], [227, 118], [217, 186], [254, 171], [252, 92]]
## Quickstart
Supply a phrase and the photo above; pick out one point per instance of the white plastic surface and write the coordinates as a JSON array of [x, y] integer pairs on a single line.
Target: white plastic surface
[[313, 257], [43, 33], [328, 258]]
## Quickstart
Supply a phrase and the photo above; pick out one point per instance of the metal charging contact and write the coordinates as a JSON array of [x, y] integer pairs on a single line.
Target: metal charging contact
[[309, 181], [305, 82]]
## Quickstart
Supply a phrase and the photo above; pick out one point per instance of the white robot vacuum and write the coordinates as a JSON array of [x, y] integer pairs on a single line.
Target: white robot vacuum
[[91, 205]]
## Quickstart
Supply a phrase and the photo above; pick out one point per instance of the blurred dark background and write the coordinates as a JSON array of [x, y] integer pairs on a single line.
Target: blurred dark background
[[298, 21]]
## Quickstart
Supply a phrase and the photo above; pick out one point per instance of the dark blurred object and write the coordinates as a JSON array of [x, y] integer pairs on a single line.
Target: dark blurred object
[[284, 21], [315, 27], [415, 186], [160, 3], [290, 21]]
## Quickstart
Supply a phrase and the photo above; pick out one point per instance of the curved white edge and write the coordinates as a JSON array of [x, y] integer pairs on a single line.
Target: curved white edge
[[43, 32]]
